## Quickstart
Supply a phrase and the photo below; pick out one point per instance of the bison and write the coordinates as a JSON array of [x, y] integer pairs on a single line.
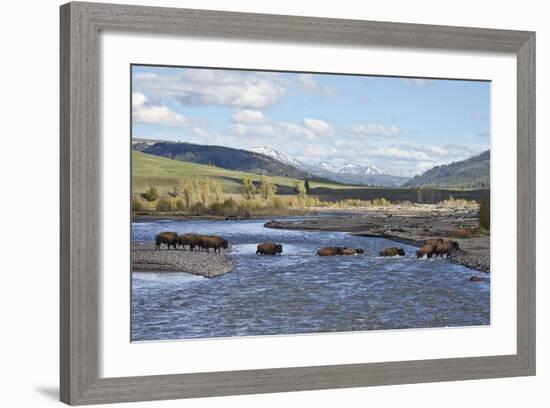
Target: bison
[[168, 237], [426, 250], [434, 241], [392, 251], [212, 241], [330, 251], [193, 240], [445, 248], [269, 248], [352, 251]]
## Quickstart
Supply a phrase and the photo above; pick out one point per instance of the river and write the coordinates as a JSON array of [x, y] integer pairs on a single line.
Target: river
[[299, 292]]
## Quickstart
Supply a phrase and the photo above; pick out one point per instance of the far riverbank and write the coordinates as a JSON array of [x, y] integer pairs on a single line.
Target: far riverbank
[[411, 225]]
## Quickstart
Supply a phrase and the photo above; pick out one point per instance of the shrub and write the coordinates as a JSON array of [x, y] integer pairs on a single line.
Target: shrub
[[164, 204], [381, 202], [277, 203], [179, 204], [312, 201], [228, 207], [137, 204], [199, 209], [151, 195], [485, 214]]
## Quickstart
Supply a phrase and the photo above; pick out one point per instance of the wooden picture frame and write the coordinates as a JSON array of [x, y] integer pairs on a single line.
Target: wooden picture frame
[[81, 24]]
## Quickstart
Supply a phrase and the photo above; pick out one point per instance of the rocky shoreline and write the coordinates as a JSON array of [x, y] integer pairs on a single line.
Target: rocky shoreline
[[208, 264], [412, 226]]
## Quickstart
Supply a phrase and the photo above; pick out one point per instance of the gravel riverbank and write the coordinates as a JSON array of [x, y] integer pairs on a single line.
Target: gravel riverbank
[[412, 225], [208, 264]]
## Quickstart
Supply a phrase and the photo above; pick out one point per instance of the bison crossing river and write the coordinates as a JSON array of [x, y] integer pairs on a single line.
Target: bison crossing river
[[432, 247], [200, 242]]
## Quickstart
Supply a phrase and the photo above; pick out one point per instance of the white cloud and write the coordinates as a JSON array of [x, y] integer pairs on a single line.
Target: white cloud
[[260, 129], [144, 112], [375, 130], [248, 116], [400, 153], [318, 126], [247, 90]]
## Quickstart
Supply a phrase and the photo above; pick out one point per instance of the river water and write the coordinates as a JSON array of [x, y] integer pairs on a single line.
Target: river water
[[299, 292]]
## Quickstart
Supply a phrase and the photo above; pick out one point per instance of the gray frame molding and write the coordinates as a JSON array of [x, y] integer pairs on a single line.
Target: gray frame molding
[[80, 26]]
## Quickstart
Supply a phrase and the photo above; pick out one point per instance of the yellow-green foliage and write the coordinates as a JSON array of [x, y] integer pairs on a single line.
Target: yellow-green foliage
[[267, 188], [485, 214], [179, 204], [216, 190], [164, 204], [151, 195], [300, 188], [204, 191], [249, 188], [381, 202], [137, 204], [228, 207], [457, 203]]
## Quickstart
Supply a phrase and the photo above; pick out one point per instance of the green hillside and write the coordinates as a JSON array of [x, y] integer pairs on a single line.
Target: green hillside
[[470, 173], [149, 170]]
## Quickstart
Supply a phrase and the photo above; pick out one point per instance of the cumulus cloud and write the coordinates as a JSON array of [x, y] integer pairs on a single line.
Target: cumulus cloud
[[200, 87], [318, 126], [145, 112], [261, 129], [248, 116], [375, 130]]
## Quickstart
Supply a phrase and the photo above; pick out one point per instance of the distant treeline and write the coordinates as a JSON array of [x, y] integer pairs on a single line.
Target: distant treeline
[[423, 196]]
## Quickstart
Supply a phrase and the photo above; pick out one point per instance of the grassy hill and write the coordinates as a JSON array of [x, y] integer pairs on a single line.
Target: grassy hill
[[470, 173], [150, 170], [220, 156]]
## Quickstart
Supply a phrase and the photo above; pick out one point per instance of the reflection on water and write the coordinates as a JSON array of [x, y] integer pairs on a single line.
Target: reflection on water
[[299, 292]]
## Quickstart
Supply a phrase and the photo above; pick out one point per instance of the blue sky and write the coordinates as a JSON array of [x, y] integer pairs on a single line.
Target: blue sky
[[408, 125]]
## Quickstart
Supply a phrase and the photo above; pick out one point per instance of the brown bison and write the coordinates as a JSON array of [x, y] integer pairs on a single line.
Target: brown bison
[[434, 241], [445, 248], [193, 240], [330, 251], [426, 250], [352, 251], [213, 241], [269, 248], [168, 237], [392, 251]]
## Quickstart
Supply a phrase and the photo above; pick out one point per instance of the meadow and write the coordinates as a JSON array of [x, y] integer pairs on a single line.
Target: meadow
[[171, 187]]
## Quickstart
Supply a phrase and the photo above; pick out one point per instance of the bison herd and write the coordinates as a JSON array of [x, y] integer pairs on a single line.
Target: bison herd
[[193, 241], [436, 247], [431, 248]]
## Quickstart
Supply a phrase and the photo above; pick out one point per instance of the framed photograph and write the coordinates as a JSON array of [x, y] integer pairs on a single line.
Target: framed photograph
[[261, 203]]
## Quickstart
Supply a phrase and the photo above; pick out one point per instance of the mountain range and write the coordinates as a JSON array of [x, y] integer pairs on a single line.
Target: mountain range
[[348, 173], [469, 173]]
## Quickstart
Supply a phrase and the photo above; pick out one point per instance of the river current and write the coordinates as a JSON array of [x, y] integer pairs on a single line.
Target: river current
[[299, 292]]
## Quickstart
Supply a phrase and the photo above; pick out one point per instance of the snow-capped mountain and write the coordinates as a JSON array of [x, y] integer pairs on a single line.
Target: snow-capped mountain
[[350, 168], [344, 173], [277, 155]]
